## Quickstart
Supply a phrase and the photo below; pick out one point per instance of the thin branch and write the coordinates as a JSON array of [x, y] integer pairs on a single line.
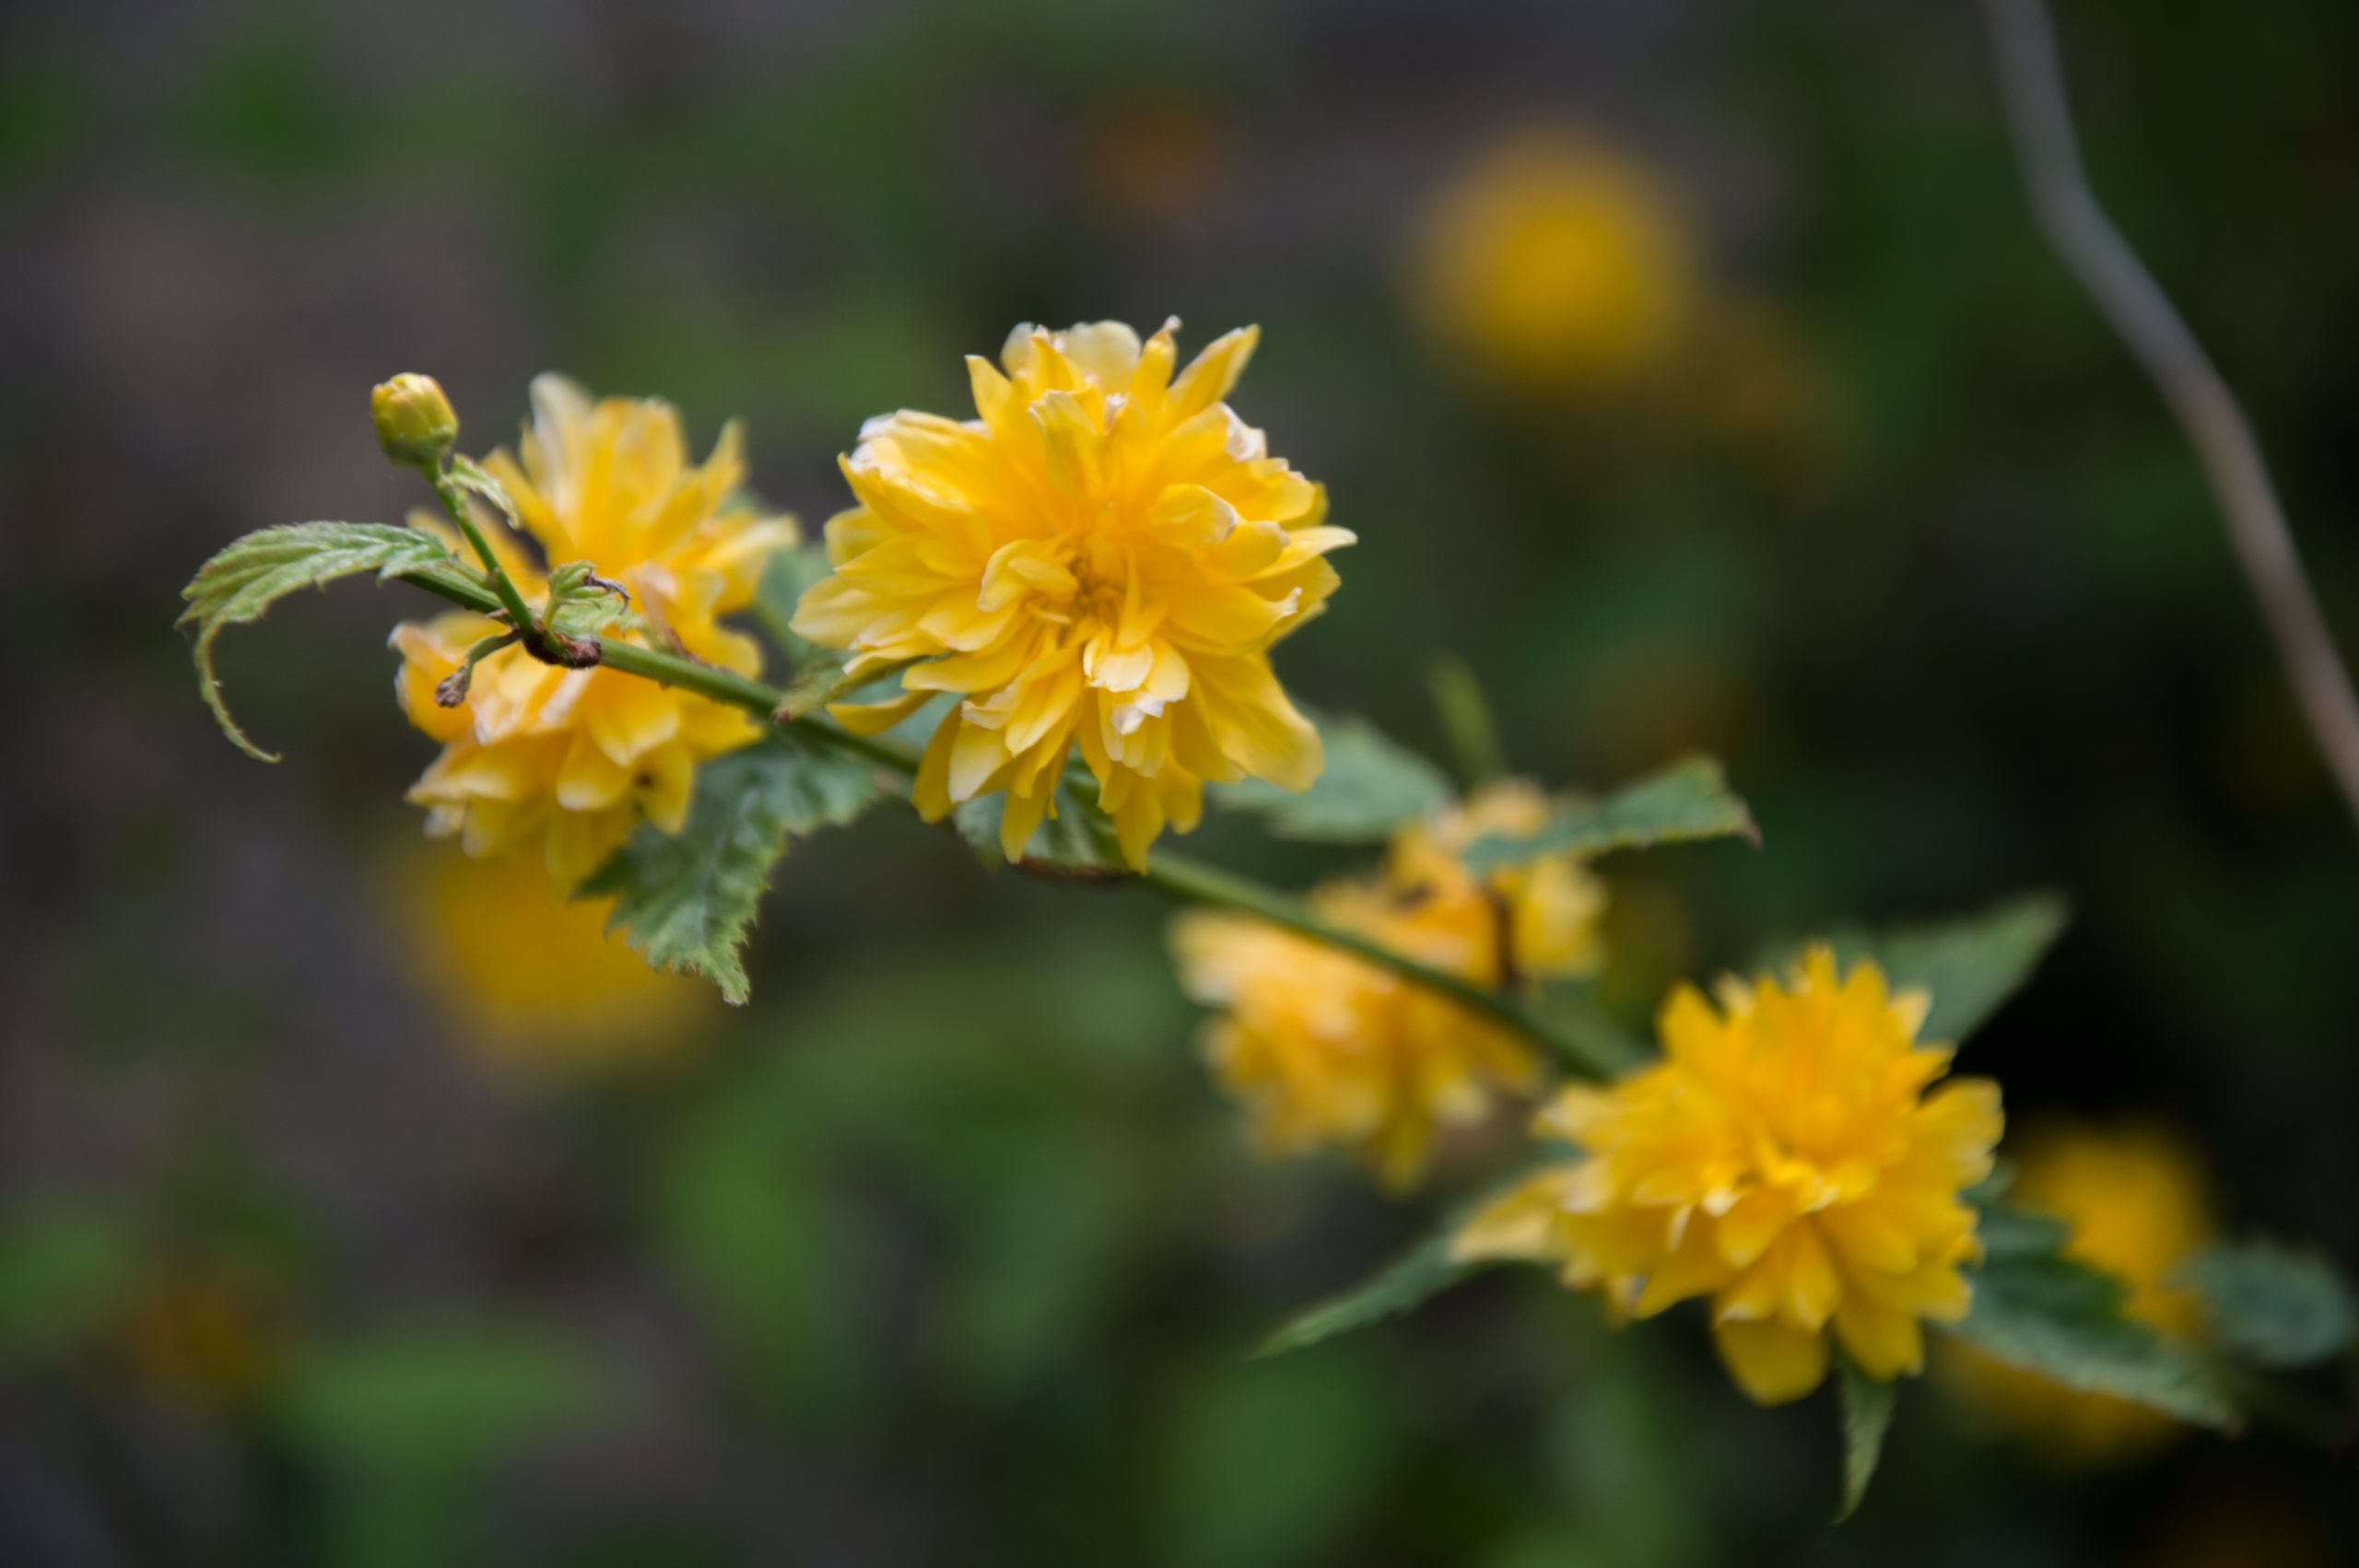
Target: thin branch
[[1170, 874], [2040, 119], [1195, 881]]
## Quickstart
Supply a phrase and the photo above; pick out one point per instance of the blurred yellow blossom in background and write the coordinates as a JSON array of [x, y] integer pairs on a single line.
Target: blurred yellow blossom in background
[[1326, 1050], [2140, 1205], [206, 1334], [574, 758], [1784, 1159], [1556, 263], [1104, 559], [531, 981]]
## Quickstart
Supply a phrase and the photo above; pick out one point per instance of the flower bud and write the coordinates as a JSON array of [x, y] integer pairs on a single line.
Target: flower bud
[[415, 424]]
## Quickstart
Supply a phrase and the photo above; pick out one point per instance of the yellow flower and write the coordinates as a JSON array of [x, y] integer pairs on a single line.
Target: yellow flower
[[1553, 905], [1326, 1050], [206, 1335], [533, 981], [1554, 262], [1104, 560], [576, 757], [1784, 1159], [2140, 1205]]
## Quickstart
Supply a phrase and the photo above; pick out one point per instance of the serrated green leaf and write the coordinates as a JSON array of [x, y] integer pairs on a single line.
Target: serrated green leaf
[[63, 1270], [1372, 785], [260, 568], [471, 478], [1422, 1271], [685, 901], [2273, 1304], [1867, 1416], [1970, 966], [786, 578], [1974, 965], [2055, 1316], [1689, 799], [1079, 838], [2008, 1232]]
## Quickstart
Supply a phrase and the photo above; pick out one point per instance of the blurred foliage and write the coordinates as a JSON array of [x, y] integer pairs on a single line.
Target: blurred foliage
[[946, 1252]]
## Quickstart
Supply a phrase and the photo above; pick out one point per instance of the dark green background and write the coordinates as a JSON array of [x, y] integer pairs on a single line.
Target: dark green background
[[947, 1253]]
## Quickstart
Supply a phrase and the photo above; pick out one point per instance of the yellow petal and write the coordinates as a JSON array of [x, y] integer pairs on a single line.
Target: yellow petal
[[875, 718], [589, 780], [629, 717], [1887, 1344], [1771, 1361]]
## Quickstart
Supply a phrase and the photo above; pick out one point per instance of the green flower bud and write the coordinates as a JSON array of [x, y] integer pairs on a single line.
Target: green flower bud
[[415, 424]]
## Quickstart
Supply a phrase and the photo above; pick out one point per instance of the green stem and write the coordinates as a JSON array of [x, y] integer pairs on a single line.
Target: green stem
[[454, 501], [1580, 1049], [1193, 881], [1466, 717]]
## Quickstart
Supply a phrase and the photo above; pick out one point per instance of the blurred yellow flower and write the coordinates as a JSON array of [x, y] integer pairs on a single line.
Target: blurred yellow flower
[[1784, 1159], [206, 1335], [1103, 559], [1554, 262], [1326, 1050], [1552, 904], [2140, 1205], [534, 982], [575, 757]]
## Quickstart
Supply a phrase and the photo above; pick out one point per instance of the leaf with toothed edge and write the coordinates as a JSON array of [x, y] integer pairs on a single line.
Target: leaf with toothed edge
[[2036, 1309], [2273, 1304], [1866, 1415], [1079, 839], [1969, 967], [1370, 785], [254, 573], [786, 578], [1972, 966], [685, 901], [1425, 1270], [1690, 799]]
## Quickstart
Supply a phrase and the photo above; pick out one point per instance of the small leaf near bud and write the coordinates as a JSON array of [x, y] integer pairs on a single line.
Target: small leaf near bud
[[414, 423]]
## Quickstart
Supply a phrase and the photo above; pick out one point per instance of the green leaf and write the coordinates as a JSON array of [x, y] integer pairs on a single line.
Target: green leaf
[[1079, 838], [2273, 1304], [257, 570], [1584, 1031], [1969, 966], [787, 577], [473, 479], [1866, 1415], [1689, 799], [64, 1273], [1425, 1270], [1371, 785], [2037, 1309], [445, 1398], [685, 901]]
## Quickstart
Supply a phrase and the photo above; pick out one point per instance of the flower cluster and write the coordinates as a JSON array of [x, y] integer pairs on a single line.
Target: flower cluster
[[1788, 1159], [1102, 560], [2139, 1206], [1327, 1050], [574, 757]]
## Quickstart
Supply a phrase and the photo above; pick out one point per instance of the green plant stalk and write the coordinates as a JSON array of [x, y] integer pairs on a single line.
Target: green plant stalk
[[508, 601], [1175, 875], [1197, 883]]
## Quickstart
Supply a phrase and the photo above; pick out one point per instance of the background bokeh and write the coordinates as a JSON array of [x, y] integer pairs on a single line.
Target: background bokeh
[[944, 1251]]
